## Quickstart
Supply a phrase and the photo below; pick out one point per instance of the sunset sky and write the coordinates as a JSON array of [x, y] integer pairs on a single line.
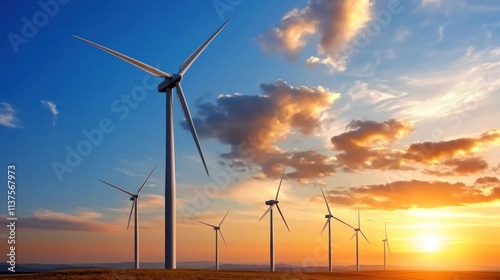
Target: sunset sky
[[390, 107]]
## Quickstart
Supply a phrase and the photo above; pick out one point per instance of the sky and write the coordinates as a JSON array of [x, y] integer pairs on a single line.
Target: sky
[[390, 107]]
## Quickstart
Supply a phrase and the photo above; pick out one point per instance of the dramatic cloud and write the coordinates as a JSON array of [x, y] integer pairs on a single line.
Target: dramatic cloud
[[53, 109], [417, 194], [337, 22], [252, 125], [364, 145], [8, 116], [79, 221]]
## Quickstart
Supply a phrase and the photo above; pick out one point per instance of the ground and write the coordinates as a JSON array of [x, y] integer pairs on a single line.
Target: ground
[[129, 274]]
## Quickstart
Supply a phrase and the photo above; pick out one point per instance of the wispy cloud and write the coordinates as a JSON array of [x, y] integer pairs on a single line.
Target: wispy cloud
[[8, 116], [337, 22], [81, 220], [53, 109], [401, 34]]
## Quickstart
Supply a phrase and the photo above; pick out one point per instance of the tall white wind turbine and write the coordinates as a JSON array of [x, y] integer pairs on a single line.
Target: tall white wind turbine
[[171, 81], [134, 198], [386, 242], [328, 217], [217, 229], [269, 210], [356, 231]]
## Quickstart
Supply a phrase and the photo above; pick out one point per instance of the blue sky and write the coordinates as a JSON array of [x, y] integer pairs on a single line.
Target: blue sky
[[431, 66]]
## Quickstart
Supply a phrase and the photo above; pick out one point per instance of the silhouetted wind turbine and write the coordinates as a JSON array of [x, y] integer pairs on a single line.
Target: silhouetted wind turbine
[[356, 230], [134, 198], [217, 229], [171, 81], [271, 204], [386, 242], [328, 217]]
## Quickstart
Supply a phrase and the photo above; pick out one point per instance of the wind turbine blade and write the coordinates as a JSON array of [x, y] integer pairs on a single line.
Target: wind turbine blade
[[326, 202], [385, 225], [267, 211], [131, 210], [359, 224], [224, 217], [150, 69], [327, 221], [278, 192], [279, 210], [187, 63], [343, 222], [222, 237], [118, 188], [388, 245], [189, 121], [147, 178], [353, 236], [365, 237], [207, 224]]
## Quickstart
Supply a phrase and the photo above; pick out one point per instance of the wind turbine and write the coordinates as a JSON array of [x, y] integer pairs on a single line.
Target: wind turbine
[[217, 229], [271, 204], [386, 242], [134, 198], [171, 81], [356, 231], [329, 216]]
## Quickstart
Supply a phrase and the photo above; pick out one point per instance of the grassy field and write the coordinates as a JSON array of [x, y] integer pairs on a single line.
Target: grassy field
[[129, 274]]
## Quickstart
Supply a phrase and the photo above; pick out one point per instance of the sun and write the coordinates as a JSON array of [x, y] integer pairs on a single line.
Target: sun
[[429, 243]]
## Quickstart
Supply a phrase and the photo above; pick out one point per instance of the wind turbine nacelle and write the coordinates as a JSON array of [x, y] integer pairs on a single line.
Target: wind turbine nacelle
[[132, 198], [328, 216], [168, 84], [271, 202]]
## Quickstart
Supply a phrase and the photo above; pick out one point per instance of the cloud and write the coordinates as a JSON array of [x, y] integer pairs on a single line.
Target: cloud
[[363, 146], [8, 116], [401, 34], [252, 125], [52, 107], [336, 22], [415, 194], [441, 33], [81, 220], [432, 152]]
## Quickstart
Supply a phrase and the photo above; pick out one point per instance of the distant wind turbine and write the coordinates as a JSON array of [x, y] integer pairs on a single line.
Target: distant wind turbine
[[171, 81], [134, 198], [329, 216], [271, 204], [386, 242], [356, 230], [217, 229]]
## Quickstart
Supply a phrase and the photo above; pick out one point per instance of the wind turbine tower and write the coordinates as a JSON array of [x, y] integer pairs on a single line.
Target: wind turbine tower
[[386, 242], [170, 82], [217, 230], [272, 203], [328, 217], [356, 231], [134, 197]]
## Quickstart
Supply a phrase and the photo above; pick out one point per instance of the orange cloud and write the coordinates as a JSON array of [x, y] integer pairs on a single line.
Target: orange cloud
[[363, 146], [337, 22], [417, 194], [252, 125]]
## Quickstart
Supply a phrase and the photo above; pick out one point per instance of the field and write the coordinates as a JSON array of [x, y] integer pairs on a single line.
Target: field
[[120, 274]]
